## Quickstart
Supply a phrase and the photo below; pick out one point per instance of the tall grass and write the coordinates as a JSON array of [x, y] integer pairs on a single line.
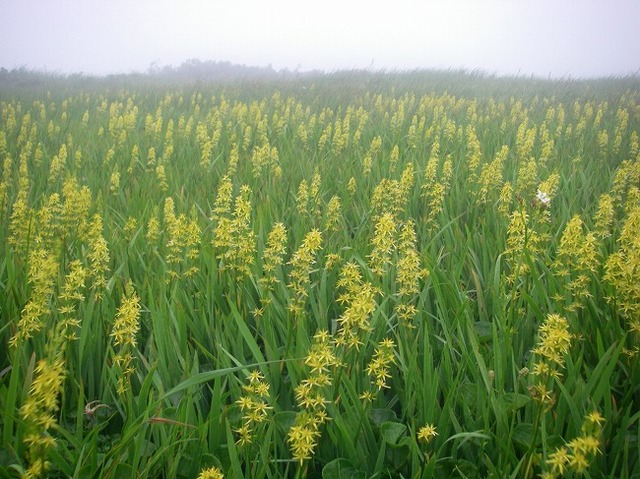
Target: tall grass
[[189, 338]]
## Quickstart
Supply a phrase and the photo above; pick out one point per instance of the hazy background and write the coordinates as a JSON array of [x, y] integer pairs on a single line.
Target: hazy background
[[544, 38]]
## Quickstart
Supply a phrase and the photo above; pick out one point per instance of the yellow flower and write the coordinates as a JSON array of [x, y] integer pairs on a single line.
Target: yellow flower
[[559, 460], [427, 433], [211, 473], [595, 418]]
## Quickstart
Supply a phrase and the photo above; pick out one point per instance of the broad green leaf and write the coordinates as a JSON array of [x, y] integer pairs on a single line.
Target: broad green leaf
[[392, 431], [341, 468]]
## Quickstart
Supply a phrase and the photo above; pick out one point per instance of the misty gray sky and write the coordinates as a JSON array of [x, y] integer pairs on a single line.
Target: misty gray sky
[[540, 37]]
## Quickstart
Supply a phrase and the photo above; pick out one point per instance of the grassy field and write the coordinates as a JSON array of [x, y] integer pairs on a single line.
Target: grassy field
[[430, 274]]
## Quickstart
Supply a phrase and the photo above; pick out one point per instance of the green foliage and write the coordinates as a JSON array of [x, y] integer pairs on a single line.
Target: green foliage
[[421, 275]]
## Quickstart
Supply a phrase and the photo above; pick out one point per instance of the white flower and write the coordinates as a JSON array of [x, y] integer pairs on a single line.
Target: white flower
[[543, 198]]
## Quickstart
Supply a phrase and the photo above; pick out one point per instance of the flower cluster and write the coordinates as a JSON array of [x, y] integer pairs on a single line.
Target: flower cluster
[[265, 156], [302, 263], [98, 256], [408, 273], [333, 216], [506, 199], [527, 178], [360, 298], [389, 197], [622, 270], [41, 404], [491, 176], [435, 189], [182, 241], [43, 272], [474, 152], [68, 299], [384, 243], [233, 237], [553, 344], [253, 406], [311, 397], [604, 216], [38, 412], [124, 331], [576, 455], [273, 255], [522, 242], [75, 210], [576, 259], [379, 367]]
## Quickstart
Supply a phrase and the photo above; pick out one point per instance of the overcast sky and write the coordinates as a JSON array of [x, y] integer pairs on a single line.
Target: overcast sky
[[540, 37]]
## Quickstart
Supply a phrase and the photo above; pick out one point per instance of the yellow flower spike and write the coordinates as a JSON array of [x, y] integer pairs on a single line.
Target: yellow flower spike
[[123, 334], [506, 199], [253, 406], [302, 199], [378, 368], [302, 262], [408, 268], [98, 256], [491, 176], [273, 256], [333, 215], [384, 242], [352, 186], [621, 270]]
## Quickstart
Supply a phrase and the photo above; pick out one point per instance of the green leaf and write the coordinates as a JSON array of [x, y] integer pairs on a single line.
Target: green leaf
[[514, 401], [467, 436], [378, 416], [246, 334], [11, 472], [523, 434], [392, 431], [484, 330], [122, 471], [342, 468], [284, 420], [207, 376]]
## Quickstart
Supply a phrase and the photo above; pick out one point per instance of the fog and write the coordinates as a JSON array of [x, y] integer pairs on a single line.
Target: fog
[[542, 38]]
